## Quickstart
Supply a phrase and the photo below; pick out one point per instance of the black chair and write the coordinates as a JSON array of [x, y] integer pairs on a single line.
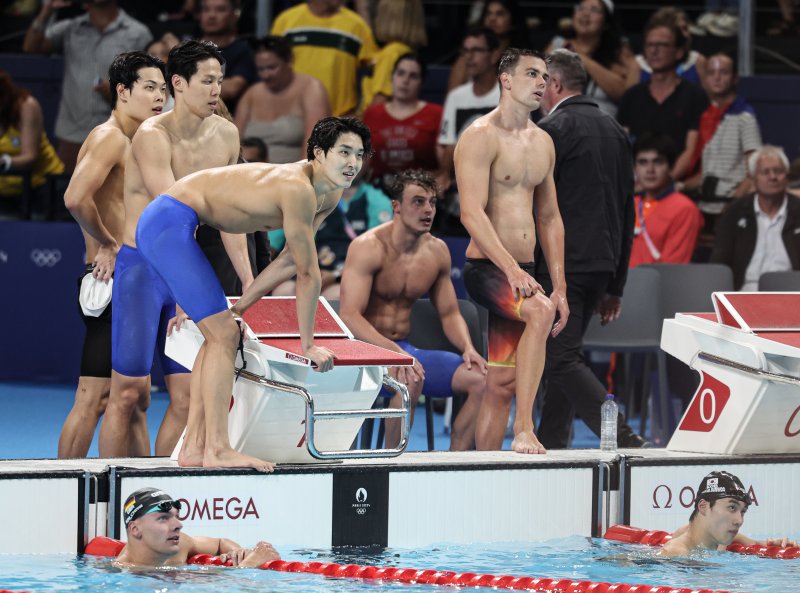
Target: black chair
[[427, 333], [638, 330], [687, 288], [780, 281]]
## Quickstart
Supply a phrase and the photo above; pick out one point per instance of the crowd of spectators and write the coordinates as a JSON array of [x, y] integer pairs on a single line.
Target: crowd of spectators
[[696, 145]]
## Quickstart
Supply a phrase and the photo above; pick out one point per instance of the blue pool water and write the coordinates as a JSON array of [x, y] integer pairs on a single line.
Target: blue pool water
[[572, 558]]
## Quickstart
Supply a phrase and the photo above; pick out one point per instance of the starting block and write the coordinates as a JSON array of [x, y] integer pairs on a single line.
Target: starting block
[[748, 356], [283, 411]]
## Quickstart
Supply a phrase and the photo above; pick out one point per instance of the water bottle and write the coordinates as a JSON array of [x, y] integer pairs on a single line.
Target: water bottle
[[608, 424]]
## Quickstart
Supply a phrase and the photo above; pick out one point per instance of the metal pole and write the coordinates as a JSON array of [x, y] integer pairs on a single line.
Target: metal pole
[[263, 18], [746, 37]]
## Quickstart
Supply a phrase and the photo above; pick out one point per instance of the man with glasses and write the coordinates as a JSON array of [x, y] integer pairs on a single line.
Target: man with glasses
[[465, 103], [761, 233], [155, 537], [665, 104]]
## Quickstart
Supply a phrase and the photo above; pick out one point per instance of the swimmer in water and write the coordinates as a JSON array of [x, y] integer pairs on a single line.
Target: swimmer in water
[[155, 537], [719, 510]]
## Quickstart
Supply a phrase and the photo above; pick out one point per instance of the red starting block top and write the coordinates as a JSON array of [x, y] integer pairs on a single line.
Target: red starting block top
[[277, 317], [348, 352], [759, 311]]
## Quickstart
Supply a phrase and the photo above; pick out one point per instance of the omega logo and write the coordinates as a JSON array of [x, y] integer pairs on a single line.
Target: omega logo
[[663, 497]]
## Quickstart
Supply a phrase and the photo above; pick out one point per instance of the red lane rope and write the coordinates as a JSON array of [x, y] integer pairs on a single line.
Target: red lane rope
[[636, 535], [103, 546]]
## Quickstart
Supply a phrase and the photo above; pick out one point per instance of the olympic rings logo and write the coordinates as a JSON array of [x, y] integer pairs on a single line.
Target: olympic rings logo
[[45, 258]]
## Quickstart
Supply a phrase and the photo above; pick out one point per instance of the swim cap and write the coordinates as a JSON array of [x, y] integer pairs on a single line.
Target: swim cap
[[147, 500], [721, 485]]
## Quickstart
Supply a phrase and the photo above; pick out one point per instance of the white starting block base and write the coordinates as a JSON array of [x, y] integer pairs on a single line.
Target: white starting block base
[[269, 416], [748, 356]]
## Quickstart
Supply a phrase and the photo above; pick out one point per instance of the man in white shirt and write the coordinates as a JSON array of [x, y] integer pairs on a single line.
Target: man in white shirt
[[761, 234], [466, 103]]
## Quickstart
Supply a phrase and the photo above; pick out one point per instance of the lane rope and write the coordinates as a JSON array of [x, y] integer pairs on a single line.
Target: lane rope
[[636, 535], [103, 546]]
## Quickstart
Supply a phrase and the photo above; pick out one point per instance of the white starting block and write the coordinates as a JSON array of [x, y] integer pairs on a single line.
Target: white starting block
[[283, 411], [748, 356]]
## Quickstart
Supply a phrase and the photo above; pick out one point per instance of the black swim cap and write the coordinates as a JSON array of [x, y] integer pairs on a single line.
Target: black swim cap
[[721, 485], [147, 500]]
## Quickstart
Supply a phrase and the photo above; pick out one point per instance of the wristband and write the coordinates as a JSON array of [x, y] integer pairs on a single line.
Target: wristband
[[6, 162]]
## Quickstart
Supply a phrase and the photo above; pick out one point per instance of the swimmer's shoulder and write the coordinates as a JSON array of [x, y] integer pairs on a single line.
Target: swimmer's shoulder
[[107, 138], [219, 125], [372, 244], [675, 547]]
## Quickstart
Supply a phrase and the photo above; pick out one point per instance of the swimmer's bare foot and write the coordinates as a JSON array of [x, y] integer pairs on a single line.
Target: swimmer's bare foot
[[190, 456], [191, 453], [526, 442], [231, 458]]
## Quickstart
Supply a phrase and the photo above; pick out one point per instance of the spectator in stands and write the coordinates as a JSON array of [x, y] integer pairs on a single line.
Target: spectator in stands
[[89, 44], [606, 56], [506, 19], [404, 129], [283, 106], [464, 104], [218, 20], [692, 66], [787, 25], [665, 104], [400, 27], [761, 233], [728, 134], [161, 47], [387, 270], [361, 207], [23, 142], [668, 223], [330, 42], [254, 150]]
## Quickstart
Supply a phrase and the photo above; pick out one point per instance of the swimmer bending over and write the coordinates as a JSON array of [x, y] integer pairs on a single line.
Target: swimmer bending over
[[242, 199], [504, 170], [719, 510], [155, 536]]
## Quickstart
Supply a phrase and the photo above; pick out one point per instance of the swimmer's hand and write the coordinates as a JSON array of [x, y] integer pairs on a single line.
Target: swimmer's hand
[[783, 542], [522, 284], [104, 262], [559, 299], [262, 552], [235, 557], [609, 309], [177, 321], [471, 357], [409, 375], [320, 356]]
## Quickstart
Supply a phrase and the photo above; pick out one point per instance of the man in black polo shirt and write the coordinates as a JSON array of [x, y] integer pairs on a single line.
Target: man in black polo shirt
[[594, 183], [665, 104]]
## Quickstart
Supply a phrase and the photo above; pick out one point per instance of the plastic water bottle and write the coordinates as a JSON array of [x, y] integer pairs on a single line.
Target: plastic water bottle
[[608, 424]]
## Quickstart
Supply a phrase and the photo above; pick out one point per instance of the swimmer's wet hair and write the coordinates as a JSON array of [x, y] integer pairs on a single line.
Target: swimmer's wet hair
[[412, 177], [327, 131], [510, 58], [184, 57], [125, 68]]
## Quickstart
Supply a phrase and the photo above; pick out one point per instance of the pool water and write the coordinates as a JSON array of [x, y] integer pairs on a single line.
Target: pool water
[[576, 558]]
